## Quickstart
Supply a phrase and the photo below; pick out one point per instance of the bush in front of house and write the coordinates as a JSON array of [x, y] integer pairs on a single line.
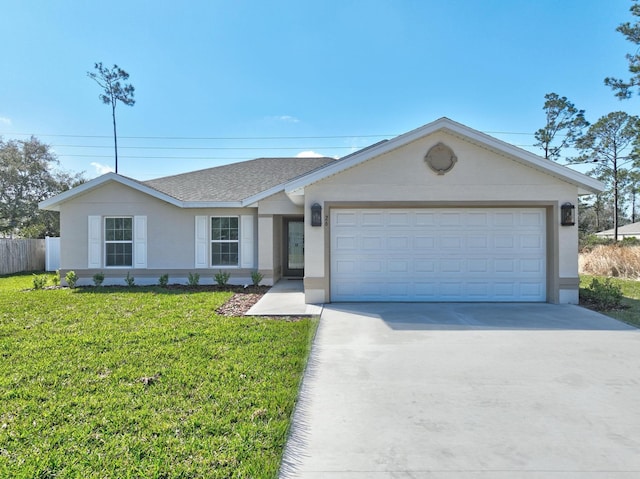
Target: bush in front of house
[[256, 277], [39, 281], [194, 279], [163, 281], [222, 278], [71, 278], [602, 295], [98, 279], [130, 280]]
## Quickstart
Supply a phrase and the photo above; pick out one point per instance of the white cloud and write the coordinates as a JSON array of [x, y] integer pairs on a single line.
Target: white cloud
[[5, 120], [286, 118], [309, 154], [101, 169]]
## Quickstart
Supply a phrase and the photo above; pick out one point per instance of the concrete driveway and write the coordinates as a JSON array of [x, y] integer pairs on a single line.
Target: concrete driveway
[[468, 391]]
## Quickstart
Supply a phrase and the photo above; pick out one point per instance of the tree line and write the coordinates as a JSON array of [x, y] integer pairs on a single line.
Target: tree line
[[610, 146]]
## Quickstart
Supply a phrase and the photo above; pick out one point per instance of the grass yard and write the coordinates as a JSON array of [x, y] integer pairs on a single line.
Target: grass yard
[[631, 301], [142, 383]]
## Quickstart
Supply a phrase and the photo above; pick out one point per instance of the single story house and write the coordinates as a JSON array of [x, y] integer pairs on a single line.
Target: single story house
[[441, 213], [627, 231]]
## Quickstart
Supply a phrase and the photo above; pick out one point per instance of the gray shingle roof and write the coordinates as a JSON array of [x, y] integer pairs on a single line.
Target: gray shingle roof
[[630, 229], [236, 181]]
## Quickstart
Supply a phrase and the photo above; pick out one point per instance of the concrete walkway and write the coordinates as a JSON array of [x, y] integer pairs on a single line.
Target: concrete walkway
[[285, 298], [468, 391]]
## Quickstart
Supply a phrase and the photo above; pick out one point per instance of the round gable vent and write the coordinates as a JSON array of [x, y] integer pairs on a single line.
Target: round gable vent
[[440, 158]]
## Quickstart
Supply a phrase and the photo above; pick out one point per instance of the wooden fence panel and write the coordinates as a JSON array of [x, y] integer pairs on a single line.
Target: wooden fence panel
[[17, 255]]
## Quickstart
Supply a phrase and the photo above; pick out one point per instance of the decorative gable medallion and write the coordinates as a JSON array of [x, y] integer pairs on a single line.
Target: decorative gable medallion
[[440, 158]]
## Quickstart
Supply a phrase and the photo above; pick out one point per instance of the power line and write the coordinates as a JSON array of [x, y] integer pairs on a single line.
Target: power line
[[202, 148], [204, 137], [167, 157], [227, 138]]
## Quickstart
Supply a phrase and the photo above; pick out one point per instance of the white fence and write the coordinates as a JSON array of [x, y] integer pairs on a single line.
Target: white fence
[[52, 254]]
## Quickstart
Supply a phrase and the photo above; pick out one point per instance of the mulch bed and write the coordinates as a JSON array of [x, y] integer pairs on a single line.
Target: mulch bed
[[240, 302]]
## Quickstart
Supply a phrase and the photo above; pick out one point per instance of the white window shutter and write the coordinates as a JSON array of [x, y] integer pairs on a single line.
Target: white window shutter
[[95, 242], [140, 241], [201, 242], [247, 241]]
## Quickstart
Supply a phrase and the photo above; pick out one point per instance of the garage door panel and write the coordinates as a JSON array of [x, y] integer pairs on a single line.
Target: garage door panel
[[474, 254], [422, 218], [478, 266], [535, 219], [398, 219], [346, 243], [425, 243], [532, 242], [345, 266], [374, 243], [449, 219], [398, 266], [478, 242], [372, 219], [424, 265], [398, 243], [345, 218], [531, 266]]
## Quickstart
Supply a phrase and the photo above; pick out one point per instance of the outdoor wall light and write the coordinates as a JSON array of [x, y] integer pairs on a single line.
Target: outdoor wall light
[[567, 215], [316, 215]]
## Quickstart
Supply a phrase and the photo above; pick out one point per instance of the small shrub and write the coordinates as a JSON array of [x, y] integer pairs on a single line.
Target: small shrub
[[194, 279], [39, 281], [163, 281], [98, 279], [256, 277], [71, 278], [602, 295], [222, 277], [56, 278], [130, 280]]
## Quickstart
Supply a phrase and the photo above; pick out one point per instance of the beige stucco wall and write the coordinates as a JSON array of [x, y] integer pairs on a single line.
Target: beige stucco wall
[[170, 231], [279, 204], [480, 177]]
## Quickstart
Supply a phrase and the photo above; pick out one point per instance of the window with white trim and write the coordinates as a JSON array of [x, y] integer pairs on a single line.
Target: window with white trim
[[118, 241], [224, 241]]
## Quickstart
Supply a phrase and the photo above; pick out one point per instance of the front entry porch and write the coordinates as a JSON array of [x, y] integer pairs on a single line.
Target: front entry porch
[[285, 298]]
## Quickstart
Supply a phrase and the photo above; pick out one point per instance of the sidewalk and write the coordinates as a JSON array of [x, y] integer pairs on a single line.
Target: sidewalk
[[285, 298]]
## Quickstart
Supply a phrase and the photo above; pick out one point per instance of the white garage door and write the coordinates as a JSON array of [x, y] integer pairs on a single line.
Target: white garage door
[[439, 254]]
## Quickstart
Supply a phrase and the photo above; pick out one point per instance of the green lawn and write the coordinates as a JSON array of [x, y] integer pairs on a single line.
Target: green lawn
[[631, 290], [142, 383]]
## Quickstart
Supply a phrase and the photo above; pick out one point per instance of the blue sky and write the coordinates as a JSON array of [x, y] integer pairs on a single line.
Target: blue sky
[[221, 81]]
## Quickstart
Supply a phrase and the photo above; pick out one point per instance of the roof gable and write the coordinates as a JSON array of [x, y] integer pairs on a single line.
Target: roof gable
[[54, 202], [585, 184]]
